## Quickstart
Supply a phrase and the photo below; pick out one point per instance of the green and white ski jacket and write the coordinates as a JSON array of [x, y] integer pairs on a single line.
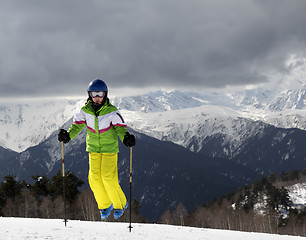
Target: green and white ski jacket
[[103, 127]]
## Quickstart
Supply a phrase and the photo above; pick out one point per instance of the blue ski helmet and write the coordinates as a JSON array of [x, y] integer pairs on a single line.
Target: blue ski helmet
[[97, 86]]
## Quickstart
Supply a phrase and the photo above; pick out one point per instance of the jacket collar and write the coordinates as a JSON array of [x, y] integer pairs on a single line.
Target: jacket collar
[[97, 108]]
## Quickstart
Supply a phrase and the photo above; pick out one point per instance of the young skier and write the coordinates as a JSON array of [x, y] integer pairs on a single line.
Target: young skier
[[104, 124]]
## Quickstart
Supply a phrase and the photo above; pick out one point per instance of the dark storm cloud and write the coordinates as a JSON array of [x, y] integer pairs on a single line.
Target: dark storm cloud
[[57, 47]]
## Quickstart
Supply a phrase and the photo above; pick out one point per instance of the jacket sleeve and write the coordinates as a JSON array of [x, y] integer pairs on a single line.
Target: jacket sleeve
[[79, 122], [119, 125]]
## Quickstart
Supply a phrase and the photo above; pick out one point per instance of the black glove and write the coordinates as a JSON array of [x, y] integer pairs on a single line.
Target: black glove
[[63, 136], [129, 140]]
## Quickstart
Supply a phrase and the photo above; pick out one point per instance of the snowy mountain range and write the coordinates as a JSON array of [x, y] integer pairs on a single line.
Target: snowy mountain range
[[164, 115]]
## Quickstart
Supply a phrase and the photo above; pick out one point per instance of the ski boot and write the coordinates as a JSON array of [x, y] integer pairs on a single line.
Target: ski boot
[[118, 212], [105, 212]]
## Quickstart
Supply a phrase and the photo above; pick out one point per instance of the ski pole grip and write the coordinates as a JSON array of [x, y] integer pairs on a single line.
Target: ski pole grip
[[63, 161], [131, 168]]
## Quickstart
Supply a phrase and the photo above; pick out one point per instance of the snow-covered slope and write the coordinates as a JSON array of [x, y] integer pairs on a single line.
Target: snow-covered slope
[[285, 109], [185, 125], [274, 100], [291, 99], [158, 102], [297, 194], [26, 124], [26, 228]]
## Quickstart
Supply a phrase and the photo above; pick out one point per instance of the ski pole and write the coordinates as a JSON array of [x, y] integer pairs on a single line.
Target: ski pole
[[64, 190], [130, 227]]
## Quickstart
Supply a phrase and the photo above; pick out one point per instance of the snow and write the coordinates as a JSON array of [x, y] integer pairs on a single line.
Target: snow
[[297, 194], [31, 228]]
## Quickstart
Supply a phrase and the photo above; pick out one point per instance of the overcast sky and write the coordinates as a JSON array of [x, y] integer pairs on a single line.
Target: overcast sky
[[55, 48]]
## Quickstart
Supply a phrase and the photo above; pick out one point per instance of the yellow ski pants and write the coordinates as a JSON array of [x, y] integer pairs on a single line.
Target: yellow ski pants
[[103, 180]]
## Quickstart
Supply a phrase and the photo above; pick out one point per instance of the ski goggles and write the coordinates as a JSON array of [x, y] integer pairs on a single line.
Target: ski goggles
[[97, 94]]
